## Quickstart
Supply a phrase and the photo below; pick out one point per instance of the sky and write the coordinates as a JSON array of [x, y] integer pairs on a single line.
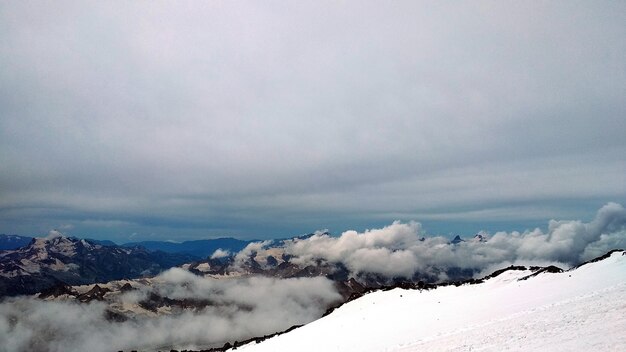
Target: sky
[[182, 120]]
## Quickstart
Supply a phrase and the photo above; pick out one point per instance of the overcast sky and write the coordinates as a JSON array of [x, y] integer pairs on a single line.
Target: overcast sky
[[263, 119]]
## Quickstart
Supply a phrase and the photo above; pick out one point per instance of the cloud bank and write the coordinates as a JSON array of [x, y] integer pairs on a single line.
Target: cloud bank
[[401, 249], [239, 309]]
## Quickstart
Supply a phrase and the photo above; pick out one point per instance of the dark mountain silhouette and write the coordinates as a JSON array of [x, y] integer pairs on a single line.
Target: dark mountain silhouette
[[198, 248], [8, 242]]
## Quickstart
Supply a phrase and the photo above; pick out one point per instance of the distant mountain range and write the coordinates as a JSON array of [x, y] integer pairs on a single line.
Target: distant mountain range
[[273, 261], [46, 262], [29, 265], [43, 263], [13, 241], [198, 248]]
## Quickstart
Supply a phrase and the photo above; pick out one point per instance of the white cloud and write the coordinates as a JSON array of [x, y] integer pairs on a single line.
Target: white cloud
[[396, 250], [220, 253], [53, 234], [249, 250], [241, 308]]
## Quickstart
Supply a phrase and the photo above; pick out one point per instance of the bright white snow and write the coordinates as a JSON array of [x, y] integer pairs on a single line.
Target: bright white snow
[[584, 309]]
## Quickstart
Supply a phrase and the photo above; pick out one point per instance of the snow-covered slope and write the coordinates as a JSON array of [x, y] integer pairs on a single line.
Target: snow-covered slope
[[581, 309]]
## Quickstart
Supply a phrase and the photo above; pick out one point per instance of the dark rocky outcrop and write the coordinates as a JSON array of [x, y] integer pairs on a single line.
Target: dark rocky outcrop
[[456, 240], [608, 254], [127, 287], [96, 293], [548, 269], [114, 316], [154, 301], [501, 271], [57, 290]]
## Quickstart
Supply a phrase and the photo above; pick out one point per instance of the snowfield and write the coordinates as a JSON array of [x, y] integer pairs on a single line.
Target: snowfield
[[582, 309]]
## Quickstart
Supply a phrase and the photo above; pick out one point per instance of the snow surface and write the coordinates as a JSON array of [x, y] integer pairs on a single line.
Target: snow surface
[[583, 309]]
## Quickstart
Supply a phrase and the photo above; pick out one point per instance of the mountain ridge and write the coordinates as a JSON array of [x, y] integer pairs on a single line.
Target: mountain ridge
[[199, 248], [9, 242], [46, 262]]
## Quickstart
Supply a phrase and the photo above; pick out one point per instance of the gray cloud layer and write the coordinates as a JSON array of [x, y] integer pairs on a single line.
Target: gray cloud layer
[[272, 118]]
